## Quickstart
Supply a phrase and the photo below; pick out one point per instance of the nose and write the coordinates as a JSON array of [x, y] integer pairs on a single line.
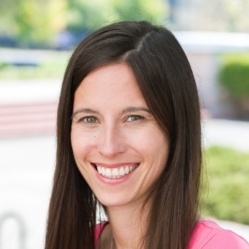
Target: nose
[[110, 141]]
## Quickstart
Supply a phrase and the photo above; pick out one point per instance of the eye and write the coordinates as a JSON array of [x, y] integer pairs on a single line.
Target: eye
[[89, 120], [133, 118]]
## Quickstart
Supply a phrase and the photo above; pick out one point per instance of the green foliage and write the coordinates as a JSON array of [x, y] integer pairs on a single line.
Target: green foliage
[[154, 11], [85, 16], [227, 174], [32, 21], [39, 21], [8, 9], [42, 71], [234, 74]]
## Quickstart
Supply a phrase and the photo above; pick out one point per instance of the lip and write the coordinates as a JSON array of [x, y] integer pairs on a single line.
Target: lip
[[113, 181]]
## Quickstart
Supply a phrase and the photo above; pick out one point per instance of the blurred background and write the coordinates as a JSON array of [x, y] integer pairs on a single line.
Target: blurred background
[[36, 40]]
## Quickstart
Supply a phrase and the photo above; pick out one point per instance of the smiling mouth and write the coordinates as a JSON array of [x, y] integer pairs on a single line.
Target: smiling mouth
[[115, 173]]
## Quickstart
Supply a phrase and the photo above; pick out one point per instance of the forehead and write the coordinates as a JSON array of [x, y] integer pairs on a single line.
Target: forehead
[[115, 73], [111, 84]]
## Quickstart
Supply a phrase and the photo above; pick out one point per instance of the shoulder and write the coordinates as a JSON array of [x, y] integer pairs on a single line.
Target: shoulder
[[208, 235]]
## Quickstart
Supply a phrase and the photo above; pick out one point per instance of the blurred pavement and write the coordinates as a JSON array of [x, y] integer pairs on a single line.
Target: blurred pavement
[[27, 163]]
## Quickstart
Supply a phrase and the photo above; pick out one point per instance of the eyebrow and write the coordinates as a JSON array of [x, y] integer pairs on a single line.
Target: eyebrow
[[126, 110], [85, 110], [136, 109]]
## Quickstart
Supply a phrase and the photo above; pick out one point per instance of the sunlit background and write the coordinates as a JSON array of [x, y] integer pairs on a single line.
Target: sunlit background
[[37, 38]]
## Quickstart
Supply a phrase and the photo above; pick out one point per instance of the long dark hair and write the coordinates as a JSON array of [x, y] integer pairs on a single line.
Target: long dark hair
[[166, 81]]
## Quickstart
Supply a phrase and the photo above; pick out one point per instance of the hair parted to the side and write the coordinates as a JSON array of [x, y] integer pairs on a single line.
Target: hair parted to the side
[[166, 81]]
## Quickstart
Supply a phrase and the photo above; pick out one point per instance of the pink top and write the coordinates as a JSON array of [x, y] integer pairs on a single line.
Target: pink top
[[206, 235], [98, 230]]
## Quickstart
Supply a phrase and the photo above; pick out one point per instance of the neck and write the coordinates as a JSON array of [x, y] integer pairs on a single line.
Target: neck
[[128, 226]]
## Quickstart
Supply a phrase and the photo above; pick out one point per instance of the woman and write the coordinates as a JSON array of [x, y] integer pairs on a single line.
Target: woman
[[129, 144]]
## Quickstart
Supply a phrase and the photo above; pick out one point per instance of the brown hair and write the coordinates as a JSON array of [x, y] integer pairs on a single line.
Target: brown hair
[[166, 81]]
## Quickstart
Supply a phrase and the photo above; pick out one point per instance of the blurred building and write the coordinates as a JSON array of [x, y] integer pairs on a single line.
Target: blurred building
[[210, 15], [178, 9]]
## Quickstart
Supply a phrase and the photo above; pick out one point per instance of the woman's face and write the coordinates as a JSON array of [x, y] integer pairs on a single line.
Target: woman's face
[[118, 146]]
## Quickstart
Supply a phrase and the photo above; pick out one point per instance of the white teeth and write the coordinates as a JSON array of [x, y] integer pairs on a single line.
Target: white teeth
[[127, 170], [121, 171], [115, 173], [106, 172]]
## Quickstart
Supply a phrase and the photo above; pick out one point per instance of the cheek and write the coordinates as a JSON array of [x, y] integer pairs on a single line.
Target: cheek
[[81, 151], [75, 142], [81, 144], [157, 150], [151, 142]]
